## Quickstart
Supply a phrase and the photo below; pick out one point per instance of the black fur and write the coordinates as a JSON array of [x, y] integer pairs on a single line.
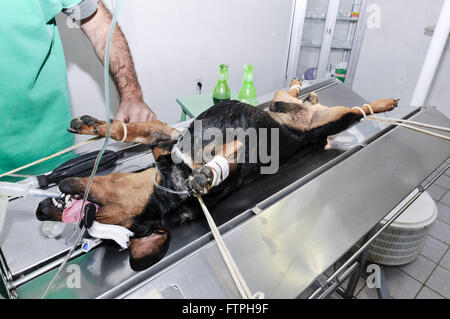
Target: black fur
[[166, 210]]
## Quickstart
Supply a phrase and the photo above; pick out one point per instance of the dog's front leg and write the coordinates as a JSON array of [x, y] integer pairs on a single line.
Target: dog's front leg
[[151, 133], [213, 173]]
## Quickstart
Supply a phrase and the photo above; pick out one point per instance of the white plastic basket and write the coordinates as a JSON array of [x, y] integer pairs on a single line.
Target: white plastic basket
[[403, 240]]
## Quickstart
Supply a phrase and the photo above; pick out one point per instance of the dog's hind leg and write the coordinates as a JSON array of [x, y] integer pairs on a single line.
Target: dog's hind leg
[[291, 95], [333, 120], [332, 114], [151, 133]]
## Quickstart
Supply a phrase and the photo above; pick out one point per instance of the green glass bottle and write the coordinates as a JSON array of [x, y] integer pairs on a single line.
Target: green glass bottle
[[227, 77], [248, 91], [222, 90]]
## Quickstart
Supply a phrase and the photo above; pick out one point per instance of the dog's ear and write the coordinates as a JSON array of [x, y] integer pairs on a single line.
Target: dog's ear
[[146, 251]]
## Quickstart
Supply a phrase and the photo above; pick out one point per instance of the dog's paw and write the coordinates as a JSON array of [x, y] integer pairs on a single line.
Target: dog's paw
[[200, 180], [312, 98], [387, 105], [88, 125], [295, 82]]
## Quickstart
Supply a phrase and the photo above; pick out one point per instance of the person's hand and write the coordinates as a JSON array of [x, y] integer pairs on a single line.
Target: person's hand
[[134, 111]]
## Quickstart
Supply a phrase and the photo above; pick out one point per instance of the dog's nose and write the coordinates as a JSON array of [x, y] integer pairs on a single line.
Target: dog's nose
[[40, 214]]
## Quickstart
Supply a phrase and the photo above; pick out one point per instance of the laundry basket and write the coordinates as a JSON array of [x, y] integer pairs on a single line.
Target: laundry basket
[[402, 241]]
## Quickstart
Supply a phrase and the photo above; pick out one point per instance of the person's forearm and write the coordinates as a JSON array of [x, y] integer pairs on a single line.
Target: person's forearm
[[97, 28]]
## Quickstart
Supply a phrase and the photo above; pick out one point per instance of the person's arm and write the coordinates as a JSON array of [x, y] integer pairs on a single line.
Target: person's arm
[[132, 106]]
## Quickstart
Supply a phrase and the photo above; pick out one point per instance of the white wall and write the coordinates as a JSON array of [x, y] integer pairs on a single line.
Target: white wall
[[392, 55], [174, 43]]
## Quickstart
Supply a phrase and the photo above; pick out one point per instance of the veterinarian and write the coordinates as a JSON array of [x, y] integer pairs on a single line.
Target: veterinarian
[[35, 109]]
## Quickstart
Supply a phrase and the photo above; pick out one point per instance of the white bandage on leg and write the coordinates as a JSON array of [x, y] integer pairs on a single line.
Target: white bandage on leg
[[296, 86], [220, 168], [119, 234]]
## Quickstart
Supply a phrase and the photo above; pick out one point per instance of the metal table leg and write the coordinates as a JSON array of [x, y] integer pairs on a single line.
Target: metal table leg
[[353, 281], [383, 292]]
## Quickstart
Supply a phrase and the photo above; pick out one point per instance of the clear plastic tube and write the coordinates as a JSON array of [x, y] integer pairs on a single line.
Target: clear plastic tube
[[17, 189], [94, 171]]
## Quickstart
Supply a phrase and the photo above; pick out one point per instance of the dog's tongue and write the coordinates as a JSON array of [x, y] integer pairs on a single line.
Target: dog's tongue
[[71, 213]]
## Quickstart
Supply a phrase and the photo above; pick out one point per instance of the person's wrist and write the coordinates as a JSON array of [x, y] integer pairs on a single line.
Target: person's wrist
[[132, 97]]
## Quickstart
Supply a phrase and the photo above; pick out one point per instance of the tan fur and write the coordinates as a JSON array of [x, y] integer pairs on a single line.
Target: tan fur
[[150, 133], [311, 114], [141, 247], [122, 195]]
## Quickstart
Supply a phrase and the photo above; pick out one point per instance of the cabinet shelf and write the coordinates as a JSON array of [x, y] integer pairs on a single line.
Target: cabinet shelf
[[340, 18], [338, 45]]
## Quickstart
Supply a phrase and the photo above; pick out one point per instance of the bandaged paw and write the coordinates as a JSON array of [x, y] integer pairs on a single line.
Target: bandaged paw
[[296, 87], [220, 168]]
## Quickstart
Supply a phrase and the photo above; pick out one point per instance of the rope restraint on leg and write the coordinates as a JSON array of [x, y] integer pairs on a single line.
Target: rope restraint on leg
[[125, 132], [406, 123], [239, 281], [297, 87]]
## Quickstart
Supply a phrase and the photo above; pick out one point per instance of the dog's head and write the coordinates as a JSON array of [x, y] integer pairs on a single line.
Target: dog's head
[[121, 199]]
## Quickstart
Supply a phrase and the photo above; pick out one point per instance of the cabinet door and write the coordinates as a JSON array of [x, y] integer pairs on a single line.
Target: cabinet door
[[346, 38], [318, 30]]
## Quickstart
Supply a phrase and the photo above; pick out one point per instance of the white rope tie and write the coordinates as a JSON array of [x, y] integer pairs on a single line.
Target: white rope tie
[[125, 132], [409, 124], [238, 279], [362, 111], [370, 108]]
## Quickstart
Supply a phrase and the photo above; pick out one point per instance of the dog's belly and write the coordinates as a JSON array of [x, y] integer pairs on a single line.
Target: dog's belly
[[232, 117]]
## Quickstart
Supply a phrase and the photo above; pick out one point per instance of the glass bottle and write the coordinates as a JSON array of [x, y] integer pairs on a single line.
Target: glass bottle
[[248, 91], [222, 90]]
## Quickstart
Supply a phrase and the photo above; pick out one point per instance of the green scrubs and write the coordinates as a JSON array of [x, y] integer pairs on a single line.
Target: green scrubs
[[35, 107]]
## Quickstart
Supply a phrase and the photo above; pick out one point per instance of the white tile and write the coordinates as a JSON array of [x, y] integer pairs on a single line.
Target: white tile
[[443, 181], [427, 293], [444, 212], [367, 293], [445, 262], [440, 281], [434, 249], [441, 231], [420, 269], [436, 191], [401, 286], [446, 199]]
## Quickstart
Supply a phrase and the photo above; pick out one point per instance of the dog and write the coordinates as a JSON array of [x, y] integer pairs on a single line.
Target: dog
[[153, 201]]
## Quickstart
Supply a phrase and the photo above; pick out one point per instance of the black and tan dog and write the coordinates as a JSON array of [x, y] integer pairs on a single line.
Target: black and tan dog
[[131, 200]]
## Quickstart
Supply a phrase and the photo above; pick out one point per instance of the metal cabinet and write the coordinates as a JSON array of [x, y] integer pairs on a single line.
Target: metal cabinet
[[326, 37]]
